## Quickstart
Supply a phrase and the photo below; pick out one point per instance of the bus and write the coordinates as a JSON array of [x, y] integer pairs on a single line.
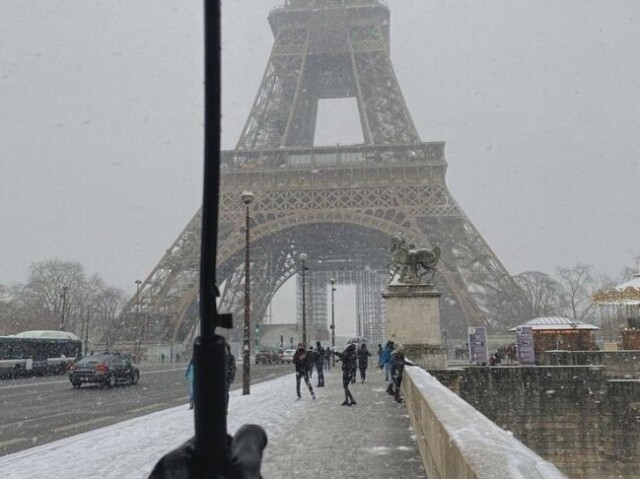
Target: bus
[[38, 353]]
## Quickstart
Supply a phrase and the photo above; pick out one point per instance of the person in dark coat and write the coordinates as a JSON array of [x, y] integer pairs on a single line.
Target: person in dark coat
[[231, 373], [319, 360], [301, 363], [398, 363], [327, 357], [311, 355], [363, 360], [349, 359]]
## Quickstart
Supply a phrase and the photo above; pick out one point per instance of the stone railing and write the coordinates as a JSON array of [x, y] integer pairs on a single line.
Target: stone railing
[[458, 442], [618, 364]]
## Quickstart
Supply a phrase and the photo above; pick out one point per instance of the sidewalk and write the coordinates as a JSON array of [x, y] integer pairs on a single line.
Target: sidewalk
[[307, 439], [323, 439]]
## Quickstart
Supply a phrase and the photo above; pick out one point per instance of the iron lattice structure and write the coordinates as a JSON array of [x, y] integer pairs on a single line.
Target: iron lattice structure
[[340, 205]]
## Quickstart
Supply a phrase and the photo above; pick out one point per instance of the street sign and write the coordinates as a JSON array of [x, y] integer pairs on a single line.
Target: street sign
[[478, 348], [524, 342]]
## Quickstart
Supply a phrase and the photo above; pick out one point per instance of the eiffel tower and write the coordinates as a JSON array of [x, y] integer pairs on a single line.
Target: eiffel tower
[[339, 205]]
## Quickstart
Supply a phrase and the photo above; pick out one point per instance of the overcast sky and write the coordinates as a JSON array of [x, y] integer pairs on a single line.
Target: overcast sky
[[101, 123]]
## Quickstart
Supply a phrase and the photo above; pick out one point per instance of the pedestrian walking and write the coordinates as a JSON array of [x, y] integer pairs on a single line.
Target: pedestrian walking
[[189, 377], [162, 358], [300, 361], [349, 358], [398, 362], [310, 361], [319, 360], [354, 365], [231, 373], [363, 361], [327, 358], [385, 362], [379, 354]]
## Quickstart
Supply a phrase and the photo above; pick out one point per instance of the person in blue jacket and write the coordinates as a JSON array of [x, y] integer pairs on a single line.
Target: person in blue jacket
[[385, 362], [189, 376]]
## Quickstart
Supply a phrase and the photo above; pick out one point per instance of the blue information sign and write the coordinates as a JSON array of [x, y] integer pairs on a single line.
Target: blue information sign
[[478, 348], [524, 341]]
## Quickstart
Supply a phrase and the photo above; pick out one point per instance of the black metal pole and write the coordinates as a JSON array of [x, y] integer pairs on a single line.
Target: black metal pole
[[211, 447], [333, 322], [138, 340], [64, 306], [86, 336], [246, 351], [304, 308]]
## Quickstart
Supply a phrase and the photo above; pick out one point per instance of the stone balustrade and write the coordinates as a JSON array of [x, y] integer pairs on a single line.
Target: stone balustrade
[[458, 442]]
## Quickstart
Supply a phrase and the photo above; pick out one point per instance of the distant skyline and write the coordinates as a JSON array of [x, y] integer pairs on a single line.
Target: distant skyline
[[101, 124]]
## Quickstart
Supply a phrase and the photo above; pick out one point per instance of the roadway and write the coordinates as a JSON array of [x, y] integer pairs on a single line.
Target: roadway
[[35, 411]]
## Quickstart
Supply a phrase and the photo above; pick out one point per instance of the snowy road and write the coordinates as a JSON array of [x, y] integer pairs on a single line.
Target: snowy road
[[36, 411]]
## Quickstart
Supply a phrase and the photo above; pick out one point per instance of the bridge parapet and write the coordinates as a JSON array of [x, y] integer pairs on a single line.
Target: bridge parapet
[[458, 442]]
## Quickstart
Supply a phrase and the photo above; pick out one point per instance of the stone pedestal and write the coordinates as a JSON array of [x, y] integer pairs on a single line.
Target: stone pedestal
[[413, 320]]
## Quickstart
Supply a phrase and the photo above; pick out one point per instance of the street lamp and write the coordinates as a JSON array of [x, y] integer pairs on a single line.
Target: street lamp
[[63, 296], [138, 332], [303, 259], [247, 198], [333, 320]]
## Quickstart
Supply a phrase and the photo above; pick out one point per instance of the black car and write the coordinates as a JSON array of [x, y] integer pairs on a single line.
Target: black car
[[265, 357], [107, 370]]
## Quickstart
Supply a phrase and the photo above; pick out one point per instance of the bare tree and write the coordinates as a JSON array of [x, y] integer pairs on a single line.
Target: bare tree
[[44, 293], [108, 304], [9, 310], [545, 295], [579, 284]]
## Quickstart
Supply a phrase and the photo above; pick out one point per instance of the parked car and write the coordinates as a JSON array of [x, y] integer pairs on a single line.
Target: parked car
[[106, 369], [266, 357], [287, 356]]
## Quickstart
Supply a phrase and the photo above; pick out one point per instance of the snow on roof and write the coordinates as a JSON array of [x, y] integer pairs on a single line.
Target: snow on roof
[[555, 322], [47, 335], [633, 282], [627, 293]]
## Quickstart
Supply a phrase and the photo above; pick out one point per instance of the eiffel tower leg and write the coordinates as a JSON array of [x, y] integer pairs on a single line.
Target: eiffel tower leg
[[270, 120], [382, 106], [487, 293]]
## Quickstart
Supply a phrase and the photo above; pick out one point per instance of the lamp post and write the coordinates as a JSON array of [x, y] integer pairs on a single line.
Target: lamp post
[[138, 332], [86, 334], [303, 259], [333, 321], [63, 296], [247, 198]]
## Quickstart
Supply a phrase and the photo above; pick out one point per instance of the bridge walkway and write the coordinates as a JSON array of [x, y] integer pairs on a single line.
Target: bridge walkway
[[323, 439]]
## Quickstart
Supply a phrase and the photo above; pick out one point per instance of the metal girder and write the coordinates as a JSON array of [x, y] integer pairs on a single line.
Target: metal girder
[[272, 112], [382, 106], [370, 308]]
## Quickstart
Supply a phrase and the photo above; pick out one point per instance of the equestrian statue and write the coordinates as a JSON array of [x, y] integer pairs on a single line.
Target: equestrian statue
[[412, 264]]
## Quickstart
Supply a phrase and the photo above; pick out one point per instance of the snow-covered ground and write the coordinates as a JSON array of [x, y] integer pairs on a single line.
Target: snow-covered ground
[[131, 448]]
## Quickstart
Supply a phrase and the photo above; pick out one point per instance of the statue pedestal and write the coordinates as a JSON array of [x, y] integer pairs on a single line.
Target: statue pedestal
[[413, 320]]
